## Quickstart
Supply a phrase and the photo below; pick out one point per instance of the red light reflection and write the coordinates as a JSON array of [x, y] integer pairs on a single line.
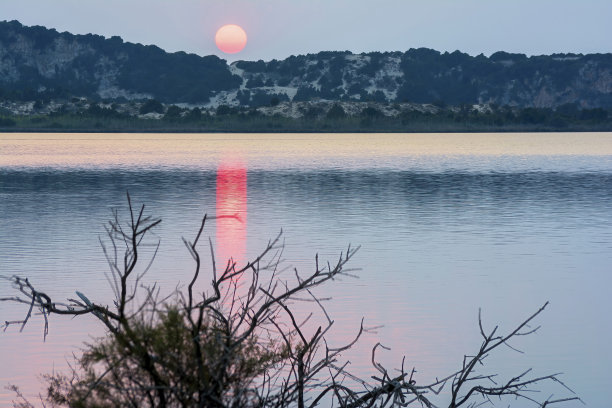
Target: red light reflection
[[231, 213]]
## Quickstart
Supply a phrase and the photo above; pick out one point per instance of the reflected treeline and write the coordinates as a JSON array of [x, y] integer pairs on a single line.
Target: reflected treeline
[[285, 198], [113, 180], [334, 186], [330, 185]]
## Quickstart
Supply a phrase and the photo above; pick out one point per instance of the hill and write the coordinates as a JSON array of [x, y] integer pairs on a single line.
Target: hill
[[37, 63]]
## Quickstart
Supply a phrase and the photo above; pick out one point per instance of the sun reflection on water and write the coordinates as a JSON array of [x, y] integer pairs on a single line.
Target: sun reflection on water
[[231, 212]]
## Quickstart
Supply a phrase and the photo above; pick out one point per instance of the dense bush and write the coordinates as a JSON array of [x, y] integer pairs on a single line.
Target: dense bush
[[151, 106]]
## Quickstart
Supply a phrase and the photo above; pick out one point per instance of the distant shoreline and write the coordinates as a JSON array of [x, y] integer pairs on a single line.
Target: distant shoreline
[[315, 118], [283, 125], [296, 130]]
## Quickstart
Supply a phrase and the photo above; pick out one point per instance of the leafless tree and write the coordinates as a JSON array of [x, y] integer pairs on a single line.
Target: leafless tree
[[241, 343]]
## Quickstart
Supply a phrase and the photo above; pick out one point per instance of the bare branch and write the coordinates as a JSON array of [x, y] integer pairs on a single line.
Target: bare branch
[[242, 344]]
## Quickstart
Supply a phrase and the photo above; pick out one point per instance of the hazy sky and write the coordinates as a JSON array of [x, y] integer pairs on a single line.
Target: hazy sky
[[279, 28]]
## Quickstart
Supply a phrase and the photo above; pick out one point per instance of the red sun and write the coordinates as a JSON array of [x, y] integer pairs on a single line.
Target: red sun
[[231, 38]]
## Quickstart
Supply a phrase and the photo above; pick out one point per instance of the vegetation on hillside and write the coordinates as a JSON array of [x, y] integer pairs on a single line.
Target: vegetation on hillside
[[38, 63], [152, 116], [140, 69]]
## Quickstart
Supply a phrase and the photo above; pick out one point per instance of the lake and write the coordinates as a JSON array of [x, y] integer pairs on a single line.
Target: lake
[[447, 223]]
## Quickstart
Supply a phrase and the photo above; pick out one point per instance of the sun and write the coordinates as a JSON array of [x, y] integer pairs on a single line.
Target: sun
[[231, 38]]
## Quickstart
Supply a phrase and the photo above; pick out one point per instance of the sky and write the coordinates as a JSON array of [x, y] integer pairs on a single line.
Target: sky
[[280, 28]]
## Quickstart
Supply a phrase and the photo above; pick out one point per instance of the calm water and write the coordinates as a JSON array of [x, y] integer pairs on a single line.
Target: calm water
[[448, 223]]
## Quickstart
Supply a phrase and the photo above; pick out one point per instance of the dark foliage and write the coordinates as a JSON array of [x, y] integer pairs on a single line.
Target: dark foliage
[[223, 110], [255, 82], [336, 112], [98, 111], [262, 98], [151, 106], [173, 112], [174, 77], [252, 66]]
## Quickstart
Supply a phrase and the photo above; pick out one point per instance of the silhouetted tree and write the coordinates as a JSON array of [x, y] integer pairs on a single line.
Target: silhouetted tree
[[224, 110], [336, 112], [173, 112], [151, 105]]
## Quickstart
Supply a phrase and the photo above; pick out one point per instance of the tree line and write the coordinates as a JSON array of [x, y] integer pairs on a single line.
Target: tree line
[[324, 117]]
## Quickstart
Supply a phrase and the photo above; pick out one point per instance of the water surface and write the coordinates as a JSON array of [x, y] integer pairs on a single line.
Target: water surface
[[447, 223]]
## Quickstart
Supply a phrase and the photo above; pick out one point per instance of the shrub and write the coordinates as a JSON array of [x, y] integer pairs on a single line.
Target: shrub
[[151, 105]]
